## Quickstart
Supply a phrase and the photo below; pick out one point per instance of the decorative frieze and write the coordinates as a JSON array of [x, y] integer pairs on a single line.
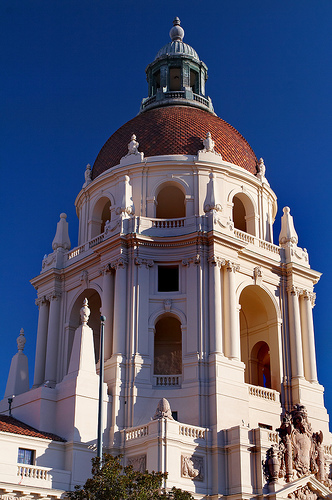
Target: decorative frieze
[[192, 467]]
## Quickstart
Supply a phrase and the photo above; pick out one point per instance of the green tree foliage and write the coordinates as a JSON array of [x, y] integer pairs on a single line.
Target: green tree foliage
[[112, 481]]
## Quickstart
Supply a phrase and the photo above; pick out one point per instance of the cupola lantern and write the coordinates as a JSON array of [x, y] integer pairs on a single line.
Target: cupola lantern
[[176, 76]]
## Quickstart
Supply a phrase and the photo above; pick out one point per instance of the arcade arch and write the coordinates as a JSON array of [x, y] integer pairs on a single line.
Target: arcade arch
[[260, 338]]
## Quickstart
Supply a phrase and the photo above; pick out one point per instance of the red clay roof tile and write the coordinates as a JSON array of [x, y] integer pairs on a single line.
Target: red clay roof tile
[[11, 424], [176, 130]]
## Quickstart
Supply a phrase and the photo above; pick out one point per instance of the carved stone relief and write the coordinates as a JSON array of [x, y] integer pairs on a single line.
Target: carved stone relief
[[192, 467], [138, 463], [304, 493], [300, 451]]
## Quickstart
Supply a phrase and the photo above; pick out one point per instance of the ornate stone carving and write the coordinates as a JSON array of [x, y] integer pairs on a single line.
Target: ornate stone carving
[[54, 296], [137, 462], [40, 301], [216, 261], [84, 278], [231, 266], [273, 464], [192, 467], [307, 295], [300, 451], [109, 228], [208, 144], [144, 262], [163, 410], [85, 312], [261, 171], [303, 493], [258, 275], [192, 260], [167, 305], [21, 340], [87, 175], [120, 262], [133, 146]]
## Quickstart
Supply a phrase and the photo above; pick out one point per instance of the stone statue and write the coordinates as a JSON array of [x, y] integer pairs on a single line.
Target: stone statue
[[87, 175], [133, 146]]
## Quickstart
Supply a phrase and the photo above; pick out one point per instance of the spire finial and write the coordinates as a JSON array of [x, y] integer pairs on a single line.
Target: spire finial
[[21, 340], [176, 33]]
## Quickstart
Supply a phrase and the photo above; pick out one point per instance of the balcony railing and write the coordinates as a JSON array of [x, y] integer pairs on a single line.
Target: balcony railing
[[33, 472], [154, 227], [167, 380], [263, 393]]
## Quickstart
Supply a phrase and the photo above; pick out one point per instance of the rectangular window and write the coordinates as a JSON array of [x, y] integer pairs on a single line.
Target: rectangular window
[[168, 278], [175, 415], [25, 456]]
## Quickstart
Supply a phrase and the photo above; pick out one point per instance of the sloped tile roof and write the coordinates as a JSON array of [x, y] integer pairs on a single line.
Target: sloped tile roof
[[176, 130], [11, 424]]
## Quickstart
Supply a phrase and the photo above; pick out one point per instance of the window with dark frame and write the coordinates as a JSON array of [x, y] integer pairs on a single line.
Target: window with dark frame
[[168, 278], [25, 456]]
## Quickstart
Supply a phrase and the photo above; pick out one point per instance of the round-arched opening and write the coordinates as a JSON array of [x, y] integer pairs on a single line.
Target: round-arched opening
[[94, 302], [259, 330], [170, 203], [101, 214], [168, 346], [260, 365], [243, 214]]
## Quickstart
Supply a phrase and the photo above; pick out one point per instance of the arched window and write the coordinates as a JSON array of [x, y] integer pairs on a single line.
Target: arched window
[[101, 214], [170, 203], [175, 79], [260, 346], [168, 347], [243, 214]]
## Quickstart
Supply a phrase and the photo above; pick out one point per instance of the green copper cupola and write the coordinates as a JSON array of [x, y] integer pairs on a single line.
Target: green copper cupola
[[176, 76]]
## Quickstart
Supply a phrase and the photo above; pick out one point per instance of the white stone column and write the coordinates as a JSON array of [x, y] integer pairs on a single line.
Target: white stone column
[[295, 333], [216, 337], [232, 326], [52, 339], [120, 307], [308, 337], [43, 306], [107, 310]]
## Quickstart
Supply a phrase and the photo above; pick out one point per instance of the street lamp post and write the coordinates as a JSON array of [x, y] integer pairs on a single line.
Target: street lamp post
[[101, 385]]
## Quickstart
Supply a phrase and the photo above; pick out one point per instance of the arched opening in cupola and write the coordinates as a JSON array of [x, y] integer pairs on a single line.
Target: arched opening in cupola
[[94, 303], [175, 79], [171, 202], [168, 346], [100, 215], [243, 214], [260, 338]]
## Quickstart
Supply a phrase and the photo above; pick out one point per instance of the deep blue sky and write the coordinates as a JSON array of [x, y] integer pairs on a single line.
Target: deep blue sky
[[72, 72]]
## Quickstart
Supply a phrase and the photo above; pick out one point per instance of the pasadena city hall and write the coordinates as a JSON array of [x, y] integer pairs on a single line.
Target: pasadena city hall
[[209, 359]]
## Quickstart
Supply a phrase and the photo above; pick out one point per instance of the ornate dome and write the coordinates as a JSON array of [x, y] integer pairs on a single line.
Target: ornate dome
[[177, 48], [171, 130]]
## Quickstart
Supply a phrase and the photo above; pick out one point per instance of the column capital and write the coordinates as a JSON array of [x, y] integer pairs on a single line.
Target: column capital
[[192, 260], [231, 266], [310, 296], [40, 301], [55, 295], [216, 261], [121, 262], [143, 262], [106, 269], [294, 290]]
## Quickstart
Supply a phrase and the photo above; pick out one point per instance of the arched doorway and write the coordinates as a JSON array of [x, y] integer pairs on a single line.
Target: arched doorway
[[168, 346], [94, 320], [243, 214], [101, 214], [170, 203], [260, 338]]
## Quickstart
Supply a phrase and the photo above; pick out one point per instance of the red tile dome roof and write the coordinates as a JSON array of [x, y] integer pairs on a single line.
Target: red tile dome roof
[[176, 130]]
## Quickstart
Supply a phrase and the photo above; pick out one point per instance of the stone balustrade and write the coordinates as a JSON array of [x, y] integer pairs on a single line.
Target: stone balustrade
[[263, 393], [164, 227], [136, 432], [167, 380], [192, 432], [33, 472]]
